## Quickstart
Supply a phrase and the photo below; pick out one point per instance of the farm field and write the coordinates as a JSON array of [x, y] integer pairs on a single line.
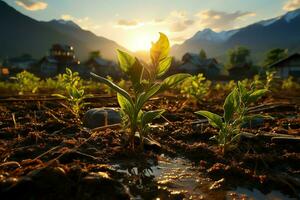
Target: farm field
[[209, 112], [39, 152]]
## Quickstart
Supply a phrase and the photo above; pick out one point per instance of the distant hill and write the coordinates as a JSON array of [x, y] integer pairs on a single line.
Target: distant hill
[[21, 34], [279, 32]]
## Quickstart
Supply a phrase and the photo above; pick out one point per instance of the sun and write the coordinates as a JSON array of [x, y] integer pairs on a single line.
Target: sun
[[142, 42]]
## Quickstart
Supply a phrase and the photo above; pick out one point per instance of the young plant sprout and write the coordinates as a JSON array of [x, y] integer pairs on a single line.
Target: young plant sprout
[[26, 82], [145, 85], [75, 95], [236, 107], [195, 87]]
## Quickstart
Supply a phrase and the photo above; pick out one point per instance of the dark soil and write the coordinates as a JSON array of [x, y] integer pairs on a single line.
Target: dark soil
[[46, 154]]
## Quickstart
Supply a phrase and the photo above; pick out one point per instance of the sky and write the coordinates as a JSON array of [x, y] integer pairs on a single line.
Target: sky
[[135, 23]]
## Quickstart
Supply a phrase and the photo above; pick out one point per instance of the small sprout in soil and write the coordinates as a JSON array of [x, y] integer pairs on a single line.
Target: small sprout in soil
[[26, 82], [75, 94], [236, 107], [195, 87], [144, 80]]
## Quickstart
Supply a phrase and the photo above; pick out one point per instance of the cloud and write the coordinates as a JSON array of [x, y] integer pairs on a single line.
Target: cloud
[[130, 24], [179, 21], [32, 5], [124, 22], [291, 5], [176, 21], [219, 20], [85, 23]]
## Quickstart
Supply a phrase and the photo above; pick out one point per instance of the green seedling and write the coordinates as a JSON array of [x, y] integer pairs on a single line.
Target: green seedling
[[26, 82], [145, 84], [236, 107], [195, 87], [74, 92]]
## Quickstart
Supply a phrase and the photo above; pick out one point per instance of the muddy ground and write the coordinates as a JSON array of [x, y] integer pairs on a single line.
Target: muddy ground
[[46, 154]]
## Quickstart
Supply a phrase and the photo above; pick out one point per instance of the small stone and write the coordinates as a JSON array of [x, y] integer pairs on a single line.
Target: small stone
[[98, 117]]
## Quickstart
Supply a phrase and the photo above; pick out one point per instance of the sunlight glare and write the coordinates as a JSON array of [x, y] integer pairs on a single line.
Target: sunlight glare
[[142, 42]]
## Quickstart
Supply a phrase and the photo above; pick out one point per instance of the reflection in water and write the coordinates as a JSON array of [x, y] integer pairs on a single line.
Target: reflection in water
[[179, 179]]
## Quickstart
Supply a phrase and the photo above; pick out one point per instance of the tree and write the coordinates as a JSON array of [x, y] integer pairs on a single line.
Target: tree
[[238, 57], [95, 54], [202, 54], [274, 55]]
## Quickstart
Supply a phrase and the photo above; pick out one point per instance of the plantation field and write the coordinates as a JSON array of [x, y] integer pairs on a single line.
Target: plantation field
[[150, 135], [39, 152]]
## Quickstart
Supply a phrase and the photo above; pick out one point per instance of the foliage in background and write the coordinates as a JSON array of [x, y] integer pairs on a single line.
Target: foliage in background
[[144, 85], [95, 54], [202, 54], [195, 87], [26, 82], [274, 55], [225, 87], [290, 84], [74, 92], [235, 114], [238, 57]]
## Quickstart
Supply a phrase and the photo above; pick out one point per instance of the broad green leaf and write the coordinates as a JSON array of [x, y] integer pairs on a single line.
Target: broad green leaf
[[125, 105], [164, 66], [149, 116], [126, 61], [254, 96], [229, 106], [145, 96], [135, 73], [243, 92], [173, 80], [160, 49], [113, 86], [214, 119]]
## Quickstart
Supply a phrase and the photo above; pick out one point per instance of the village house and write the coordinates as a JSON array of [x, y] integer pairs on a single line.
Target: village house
[[60, 57], [289, 66], [193, 64], [101, 67], [16, 64]]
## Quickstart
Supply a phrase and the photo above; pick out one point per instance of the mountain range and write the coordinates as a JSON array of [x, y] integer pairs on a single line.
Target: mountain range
[[21, 34], [279, 32]]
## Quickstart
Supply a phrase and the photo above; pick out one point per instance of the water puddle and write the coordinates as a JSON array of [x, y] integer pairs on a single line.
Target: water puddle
[[181, 180]]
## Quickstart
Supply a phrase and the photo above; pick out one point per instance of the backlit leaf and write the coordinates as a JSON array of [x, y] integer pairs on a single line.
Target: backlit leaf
[[164, 66], [160, 49], [126, 61], [229, 106], [173, 80], [214, 119], [113, 86], [149, 116]]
